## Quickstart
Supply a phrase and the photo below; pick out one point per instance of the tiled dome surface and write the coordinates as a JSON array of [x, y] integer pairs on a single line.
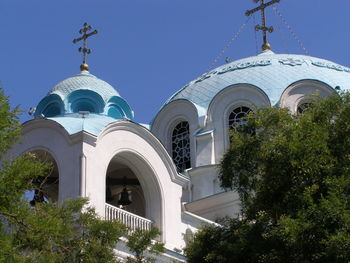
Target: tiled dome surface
[[272, 73], [86, 81]]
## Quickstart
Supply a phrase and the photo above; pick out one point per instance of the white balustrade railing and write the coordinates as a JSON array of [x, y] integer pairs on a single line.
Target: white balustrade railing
[[129, 219]]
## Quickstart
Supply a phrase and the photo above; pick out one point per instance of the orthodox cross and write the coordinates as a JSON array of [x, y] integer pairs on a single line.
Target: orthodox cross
[[84, 49], [263, 27]]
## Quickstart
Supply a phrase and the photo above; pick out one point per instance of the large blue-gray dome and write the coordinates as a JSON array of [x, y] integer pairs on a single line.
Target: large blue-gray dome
[[270, 72], [84, 93]]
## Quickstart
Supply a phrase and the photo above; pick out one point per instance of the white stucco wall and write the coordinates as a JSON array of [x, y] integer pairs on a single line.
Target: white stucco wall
[[83, 159], [216, 206], [131, 144]]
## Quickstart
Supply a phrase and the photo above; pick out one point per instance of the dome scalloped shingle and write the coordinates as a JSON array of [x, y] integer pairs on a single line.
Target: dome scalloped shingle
[[87, 81], [271, 72]]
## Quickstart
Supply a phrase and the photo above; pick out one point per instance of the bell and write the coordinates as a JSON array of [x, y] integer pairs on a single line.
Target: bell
[[124, 198]]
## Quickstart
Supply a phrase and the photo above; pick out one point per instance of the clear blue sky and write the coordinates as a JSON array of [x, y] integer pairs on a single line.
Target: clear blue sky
[[149, 49]]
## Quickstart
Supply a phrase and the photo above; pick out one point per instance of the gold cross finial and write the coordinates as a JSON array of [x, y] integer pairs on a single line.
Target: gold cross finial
[[263, 27], [84, 49]]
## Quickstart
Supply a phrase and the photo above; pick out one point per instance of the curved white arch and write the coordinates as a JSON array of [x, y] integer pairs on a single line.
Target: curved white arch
[[47, 135], [179, 107], [46, 149], [47, 124], [52, 155], [149, 181], [169, 117], [233, 94], [146, 135], [299, 92], [223, 103], [142, 152]]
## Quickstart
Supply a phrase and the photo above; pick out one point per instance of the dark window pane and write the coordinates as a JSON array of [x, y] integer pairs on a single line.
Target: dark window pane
[[181, 146]]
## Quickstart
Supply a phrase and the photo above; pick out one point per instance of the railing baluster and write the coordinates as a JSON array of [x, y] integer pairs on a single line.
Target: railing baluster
[[129, 219]]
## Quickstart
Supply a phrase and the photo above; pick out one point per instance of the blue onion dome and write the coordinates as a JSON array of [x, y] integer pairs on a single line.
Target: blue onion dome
[[270, 72], [84, 93]]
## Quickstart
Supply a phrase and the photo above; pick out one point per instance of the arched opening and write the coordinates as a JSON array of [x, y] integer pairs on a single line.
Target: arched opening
[[129, 174], [46, 187], [121, 180]]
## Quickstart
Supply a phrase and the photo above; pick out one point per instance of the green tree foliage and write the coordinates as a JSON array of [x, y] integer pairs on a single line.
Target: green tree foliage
[[9, 125], [63, 233], [142, 243], [293, 178]]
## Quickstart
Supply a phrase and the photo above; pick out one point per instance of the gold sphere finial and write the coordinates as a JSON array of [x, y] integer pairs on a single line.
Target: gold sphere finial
[[266, 46], [84, 67]]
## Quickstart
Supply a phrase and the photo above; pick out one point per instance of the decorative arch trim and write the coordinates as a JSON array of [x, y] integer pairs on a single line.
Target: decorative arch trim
[[118, 105], [152, 188], [169, 116], [167, 113], [300, 91], [50, 106], [45, 123], [85, 100], [223, 103], [247, 93], [46, 149], [152, 141]]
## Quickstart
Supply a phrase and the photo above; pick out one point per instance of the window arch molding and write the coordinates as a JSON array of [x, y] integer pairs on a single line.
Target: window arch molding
[[168, 117], [221, 106], [234, 94], [301, 92]]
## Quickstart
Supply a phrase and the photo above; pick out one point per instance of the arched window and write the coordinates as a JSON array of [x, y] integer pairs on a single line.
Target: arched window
[[303, 107], [238, 117], [181, 146]]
